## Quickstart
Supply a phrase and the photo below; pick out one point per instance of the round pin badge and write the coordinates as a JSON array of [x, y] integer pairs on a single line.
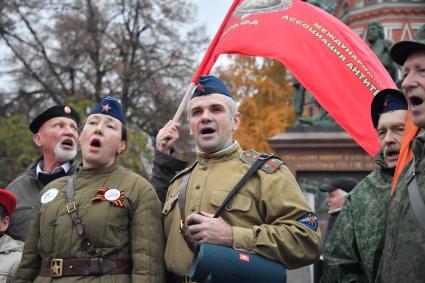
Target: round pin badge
[[112, 194], [49, 195]]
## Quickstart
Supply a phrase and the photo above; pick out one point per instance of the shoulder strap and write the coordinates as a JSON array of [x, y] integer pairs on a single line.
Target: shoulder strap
[[182, 203], [75, 218], [257, 164], [183, 188], [415, 197], [184, 171], [270, 166]]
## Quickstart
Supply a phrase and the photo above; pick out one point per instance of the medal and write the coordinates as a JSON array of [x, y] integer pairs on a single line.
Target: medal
[[112, 194], [49, 196]]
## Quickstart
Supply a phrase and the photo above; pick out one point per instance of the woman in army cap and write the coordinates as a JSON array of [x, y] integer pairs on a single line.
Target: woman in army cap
[[103, 224]]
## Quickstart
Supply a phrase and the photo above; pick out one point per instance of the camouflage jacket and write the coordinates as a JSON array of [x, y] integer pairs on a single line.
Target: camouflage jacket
[[403, 258], [352, 252]]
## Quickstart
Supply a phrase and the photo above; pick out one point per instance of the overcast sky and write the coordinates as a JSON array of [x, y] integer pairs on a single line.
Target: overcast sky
[[212, 12]]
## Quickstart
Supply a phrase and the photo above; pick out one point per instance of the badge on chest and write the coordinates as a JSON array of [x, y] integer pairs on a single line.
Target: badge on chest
[[49, 195], [114, 196]]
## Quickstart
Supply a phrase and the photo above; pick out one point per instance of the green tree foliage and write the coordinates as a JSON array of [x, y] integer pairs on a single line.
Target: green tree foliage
[[17, 150], [137, 151], [265, 97]]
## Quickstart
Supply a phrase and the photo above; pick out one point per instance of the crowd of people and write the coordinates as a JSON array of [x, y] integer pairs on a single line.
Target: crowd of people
[[96, 221]]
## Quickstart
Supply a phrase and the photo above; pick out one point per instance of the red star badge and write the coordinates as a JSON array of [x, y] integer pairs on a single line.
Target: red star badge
[[311, 219], [106, 108]]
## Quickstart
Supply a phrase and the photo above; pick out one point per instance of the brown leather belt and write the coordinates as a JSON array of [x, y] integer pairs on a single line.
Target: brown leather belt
[[83, 267]]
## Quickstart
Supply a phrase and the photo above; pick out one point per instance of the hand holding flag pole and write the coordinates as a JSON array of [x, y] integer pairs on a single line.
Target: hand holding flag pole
[[202, 67]]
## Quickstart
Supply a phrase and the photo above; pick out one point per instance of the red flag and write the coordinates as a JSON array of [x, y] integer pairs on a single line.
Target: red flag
[[325, 55]]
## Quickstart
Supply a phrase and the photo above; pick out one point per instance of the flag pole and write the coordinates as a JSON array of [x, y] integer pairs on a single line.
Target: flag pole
[[202, 67], [206, 65], [184, 101]]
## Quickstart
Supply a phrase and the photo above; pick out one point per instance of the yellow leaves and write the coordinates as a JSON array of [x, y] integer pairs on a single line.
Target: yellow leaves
[[261, 87]]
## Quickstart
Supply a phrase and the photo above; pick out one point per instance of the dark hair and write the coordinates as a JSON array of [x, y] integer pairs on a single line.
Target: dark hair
[[3, 212], [124, 136]]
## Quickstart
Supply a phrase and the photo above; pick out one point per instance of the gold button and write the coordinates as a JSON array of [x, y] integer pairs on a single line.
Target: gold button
[[229, 206], [197, 187]]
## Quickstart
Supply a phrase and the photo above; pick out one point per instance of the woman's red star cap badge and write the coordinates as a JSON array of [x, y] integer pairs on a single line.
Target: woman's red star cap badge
[[106, 108]]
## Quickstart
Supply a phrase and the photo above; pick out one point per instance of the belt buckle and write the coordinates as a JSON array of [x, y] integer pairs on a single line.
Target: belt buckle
[[70, 207], [56, 267]]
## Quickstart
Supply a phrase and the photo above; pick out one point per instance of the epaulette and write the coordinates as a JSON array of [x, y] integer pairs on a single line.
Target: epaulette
[[270, 166], [183, 172]]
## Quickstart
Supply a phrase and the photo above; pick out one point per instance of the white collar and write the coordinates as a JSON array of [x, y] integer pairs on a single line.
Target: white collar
[[65, 166]]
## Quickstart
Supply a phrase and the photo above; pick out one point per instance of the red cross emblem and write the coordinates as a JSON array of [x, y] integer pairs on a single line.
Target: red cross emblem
[[106, 108]]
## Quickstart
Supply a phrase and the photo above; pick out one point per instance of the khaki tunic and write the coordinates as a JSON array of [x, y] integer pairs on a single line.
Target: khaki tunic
[[263, 214], [134, 232]]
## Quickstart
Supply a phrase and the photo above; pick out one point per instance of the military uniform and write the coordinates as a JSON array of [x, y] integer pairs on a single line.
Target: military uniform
[[269, 215], [353, 250], [131, 230], [403, 258], [27, 189]]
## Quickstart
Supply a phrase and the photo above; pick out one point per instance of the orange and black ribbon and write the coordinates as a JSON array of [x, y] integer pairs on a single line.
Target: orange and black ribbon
[[100, 196]]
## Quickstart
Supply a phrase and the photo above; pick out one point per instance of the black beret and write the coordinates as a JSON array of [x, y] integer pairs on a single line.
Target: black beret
[[53, 112], [344, 183], [385, 101]]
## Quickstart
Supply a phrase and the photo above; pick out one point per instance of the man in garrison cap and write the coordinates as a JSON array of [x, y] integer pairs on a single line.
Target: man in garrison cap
[[354, 247], [268, 216], [403, 258], [55, 134]]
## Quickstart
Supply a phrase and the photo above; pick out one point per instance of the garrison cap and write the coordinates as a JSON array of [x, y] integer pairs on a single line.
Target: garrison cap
[[110, 106], [385, 101], [403, 49], [344, 183], [53, 112], [8, 201], [209, 85]]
